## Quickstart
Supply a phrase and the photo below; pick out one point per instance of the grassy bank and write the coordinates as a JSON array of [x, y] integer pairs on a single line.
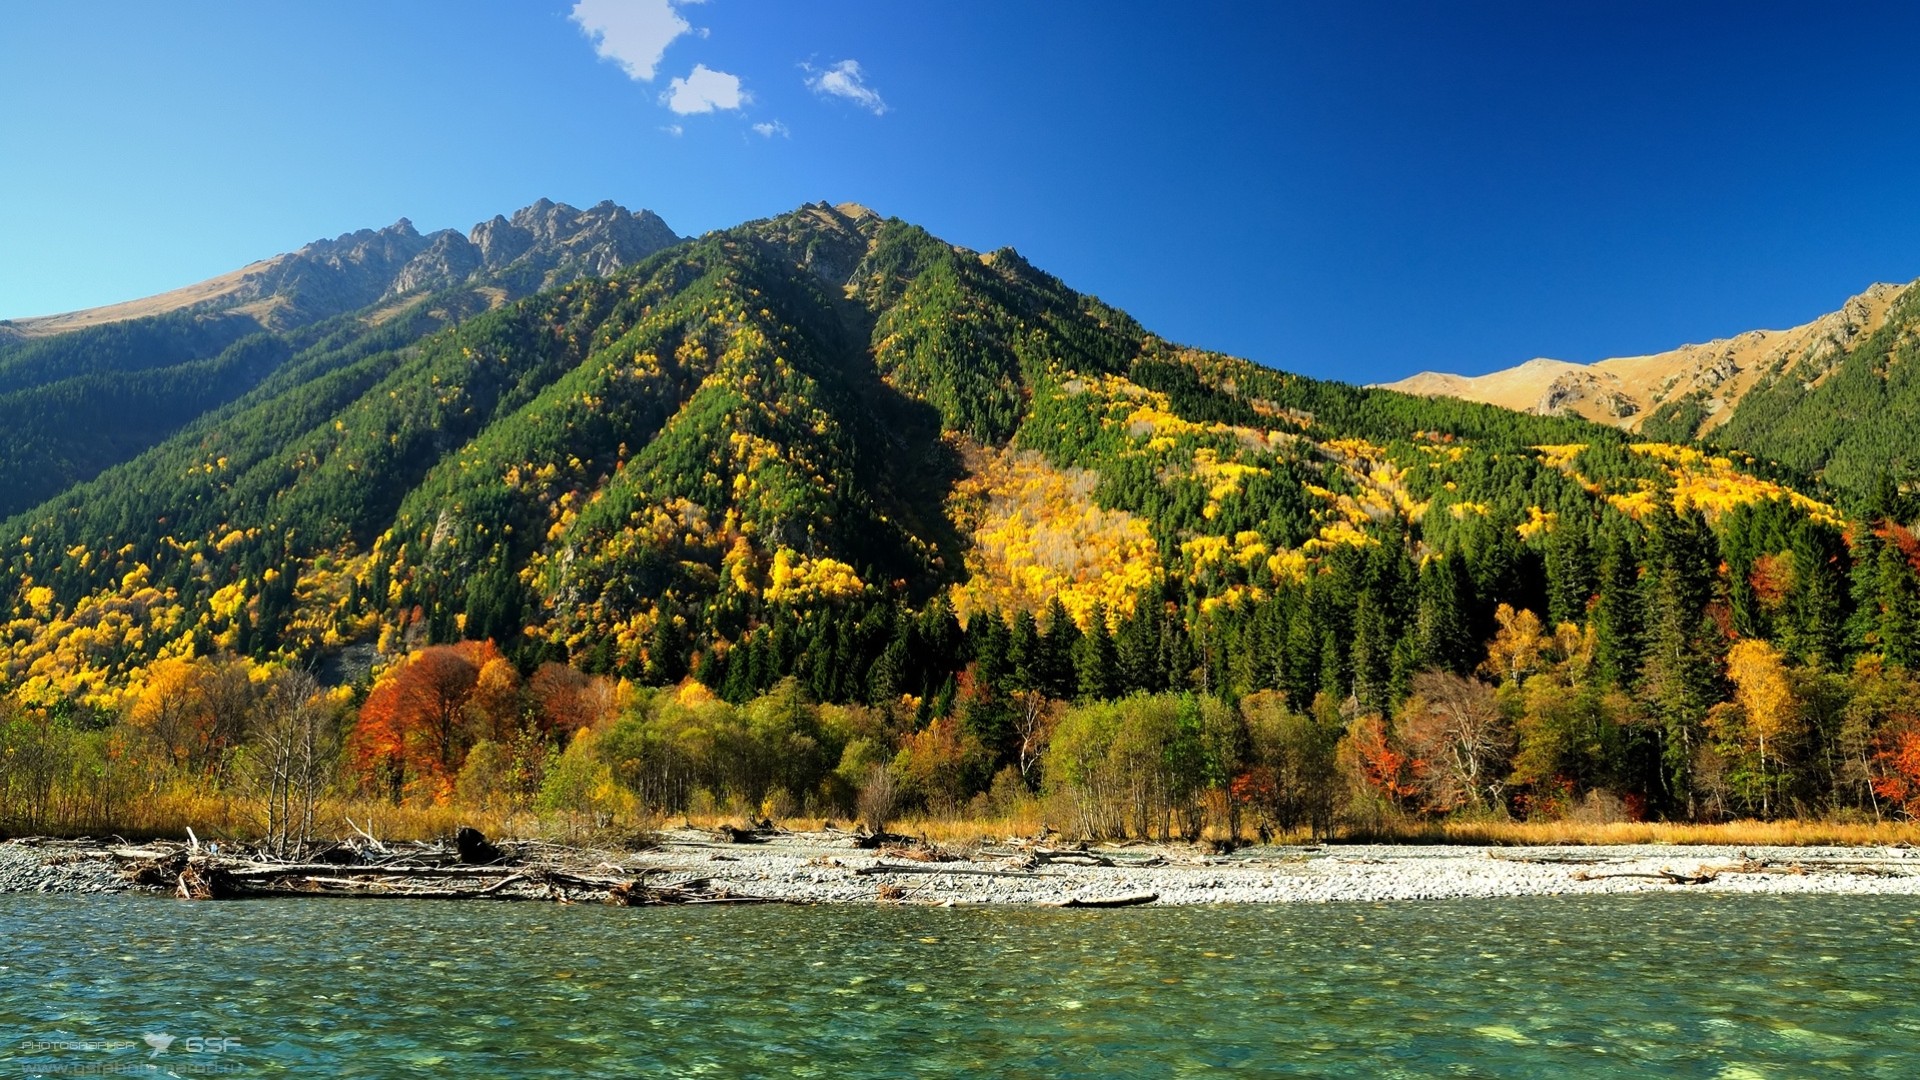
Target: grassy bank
[[172, 812]]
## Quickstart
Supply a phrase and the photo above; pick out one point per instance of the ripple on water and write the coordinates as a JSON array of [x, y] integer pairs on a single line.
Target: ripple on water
[[1728, 986]]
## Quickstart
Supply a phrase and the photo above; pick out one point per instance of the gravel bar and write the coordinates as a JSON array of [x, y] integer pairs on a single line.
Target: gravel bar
[[828, 868]]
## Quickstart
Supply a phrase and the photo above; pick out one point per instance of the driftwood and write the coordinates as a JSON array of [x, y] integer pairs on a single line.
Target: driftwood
[[1076, 856], [921, 868], [376, 871], [1107, 901], [867, 841], [1703, 876], [925, 853], [1707, 874]]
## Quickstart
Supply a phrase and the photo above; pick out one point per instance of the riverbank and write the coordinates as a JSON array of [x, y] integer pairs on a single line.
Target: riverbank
[[829, 867]]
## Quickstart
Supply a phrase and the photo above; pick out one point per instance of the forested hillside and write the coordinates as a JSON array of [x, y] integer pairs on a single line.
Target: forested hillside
[[87, 390], [1851, 416], [822, 505]]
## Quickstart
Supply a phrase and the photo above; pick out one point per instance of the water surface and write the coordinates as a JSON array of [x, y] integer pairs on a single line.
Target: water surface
[[1696, 985]]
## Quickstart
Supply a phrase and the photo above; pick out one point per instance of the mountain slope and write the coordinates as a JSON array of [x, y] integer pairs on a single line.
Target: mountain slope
[[815, 446], [1681, 393], [82, 391]]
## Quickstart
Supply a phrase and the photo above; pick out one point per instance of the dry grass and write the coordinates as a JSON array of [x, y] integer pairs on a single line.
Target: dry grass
[[169, 813], [1028, 821], [1734, 833]]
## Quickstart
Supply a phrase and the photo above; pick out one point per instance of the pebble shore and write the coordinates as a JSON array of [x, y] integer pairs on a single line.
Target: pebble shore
[[807, 868], [827, 868]]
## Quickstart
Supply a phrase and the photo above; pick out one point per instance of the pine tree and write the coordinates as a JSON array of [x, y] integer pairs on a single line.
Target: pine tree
[[1026, 654], [1899, 622], [1617, 616], [1443, 634], [1300, 664], [1372, 656], [1572, 573], [1863, 626], [1137, 648], [1333, 673], [992, 663], [1095, 660], [1817, 605], [666, 662], [1060, 648], [1681, 679]]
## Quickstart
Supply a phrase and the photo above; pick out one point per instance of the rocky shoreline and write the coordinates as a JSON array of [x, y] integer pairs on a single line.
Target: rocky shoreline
[[829, 867]]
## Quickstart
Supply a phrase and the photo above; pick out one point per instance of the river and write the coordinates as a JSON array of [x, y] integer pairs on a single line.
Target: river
[[1694, 985]]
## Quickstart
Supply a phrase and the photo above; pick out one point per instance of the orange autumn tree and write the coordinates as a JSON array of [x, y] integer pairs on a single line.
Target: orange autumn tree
[[563, 700], [1896, 765], [1370, 754], [425, 712]]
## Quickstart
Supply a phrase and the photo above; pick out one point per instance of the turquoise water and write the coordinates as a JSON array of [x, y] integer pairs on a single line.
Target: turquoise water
[[1604, 986]]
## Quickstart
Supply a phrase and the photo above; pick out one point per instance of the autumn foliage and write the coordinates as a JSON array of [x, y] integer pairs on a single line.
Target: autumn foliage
[[1897, 760], [425, 712]]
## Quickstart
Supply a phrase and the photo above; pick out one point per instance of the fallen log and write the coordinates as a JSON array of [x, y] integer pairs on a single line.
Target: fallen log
[[1074, 859], [1105, 901], [922, 868], [252, 871], [1703, 876], [413, 871], [929, 853], [869, 841]]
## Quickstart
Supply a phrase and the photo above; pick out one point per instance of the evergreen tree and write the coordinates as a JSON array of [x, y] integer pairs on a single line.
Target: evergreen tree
[[1572, 573], [1137, 648], [1443, 632], [1060, 649], [1899, 609], [1026, 654], [1372, 657], [1095, 660], [1682, 676], [1817, 606], [1300, 666], [1617, 616]]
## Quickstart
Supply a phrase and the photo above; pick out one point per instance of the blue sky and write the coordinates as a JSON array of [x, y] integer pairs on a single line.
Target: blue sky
[[1351, 190]]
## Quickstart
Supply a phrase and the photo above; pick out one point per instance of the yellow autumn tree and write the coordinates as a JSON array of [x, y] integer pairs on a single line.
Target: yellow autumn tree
[[1515, 650], [1770, 714]]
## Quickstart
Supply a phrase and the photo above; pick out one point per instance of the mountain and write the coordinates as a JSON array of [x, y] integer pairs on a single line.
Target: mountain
[[831, 446], [540, 245], [88, 389], [1681, 393]]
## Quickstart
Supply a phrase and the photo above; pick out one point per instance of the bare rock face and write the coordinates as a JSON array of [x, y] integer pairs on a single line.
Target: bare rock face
[[1618, 405], [500, 241], [449, 259], [541, 245], [1564, 390], [1713, 371]]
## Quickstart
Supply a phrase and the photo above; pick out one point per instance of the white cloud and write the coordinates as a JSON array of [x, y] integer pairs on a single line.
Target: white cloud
[[674, 130], [771, 128], [704, 90], [631, 33], [845, 79]]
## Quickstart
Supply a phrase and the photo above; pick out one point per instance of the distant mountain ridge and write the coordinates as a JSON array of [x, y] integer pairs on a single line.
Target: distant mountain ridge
[[85, 390], [1705, 381], [539, 246]]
